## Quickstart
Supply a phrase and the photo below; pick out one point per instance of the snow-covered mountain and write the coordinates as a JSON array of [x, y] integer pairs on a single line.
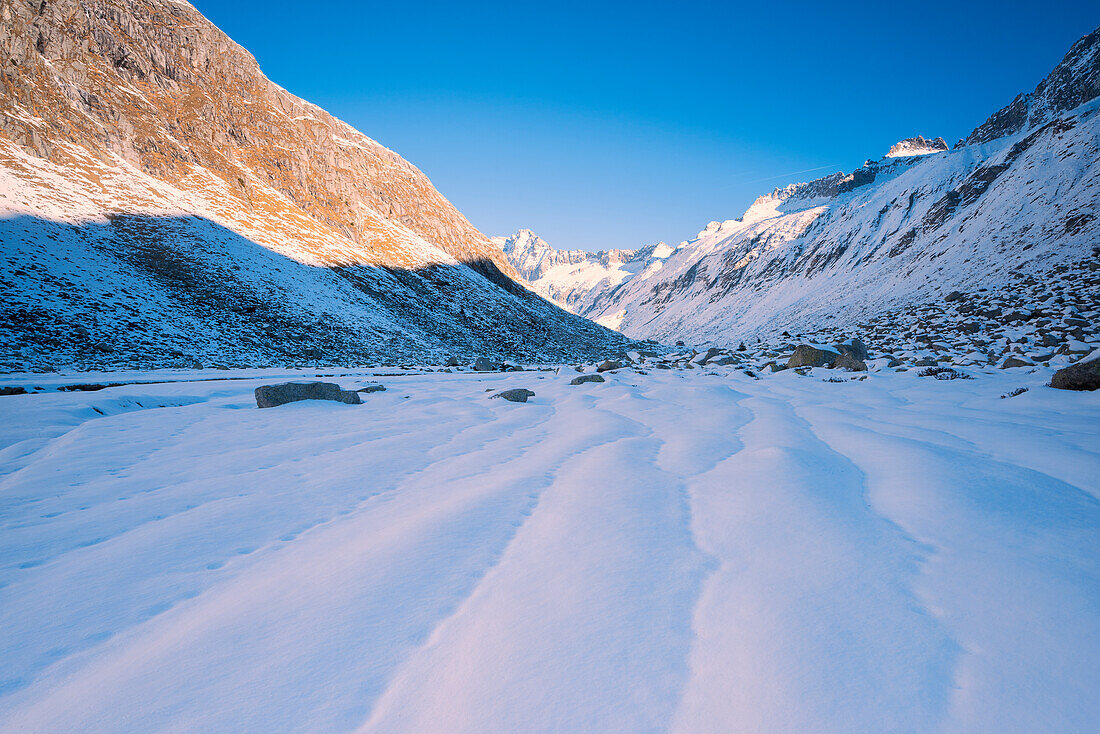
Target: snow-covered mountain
[[578, 280], [162, 202], [1019, 194]]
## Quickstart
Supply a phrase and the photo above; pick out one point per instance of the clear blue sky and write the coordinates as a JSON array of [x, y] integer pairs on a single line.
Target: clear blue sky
[[601, 124]]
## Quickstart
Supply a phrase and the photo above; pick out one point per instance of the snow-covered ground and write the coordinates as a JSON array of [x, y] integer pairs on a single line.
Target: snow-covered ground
[[685, 550]]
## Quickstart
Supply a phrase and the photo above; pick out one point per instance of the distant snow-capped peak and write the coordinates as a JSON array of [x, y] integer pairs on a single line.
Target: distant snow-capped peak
[[916, 146], [579, 280]]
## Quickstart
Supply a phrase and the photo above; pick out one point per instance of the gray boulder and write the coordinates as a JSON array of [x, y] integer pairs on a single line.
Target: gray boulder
[[484, 364], [854, 347], [372, 388], [270, 396], [847, 362], [710, 354], [609, 364], [517, 395], [1080, 376], [1015, 362], [807, 356], [451, 362], [586, 378]]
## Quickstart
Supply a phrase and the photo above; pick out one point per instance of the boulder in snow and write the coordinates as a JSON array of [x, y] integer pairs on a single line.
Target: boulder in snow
[[854, 347], [846, 361], [586, 378], [270, 396], [484, 364], [1083, 375], [609, 364], [807, 356], [517, 395]]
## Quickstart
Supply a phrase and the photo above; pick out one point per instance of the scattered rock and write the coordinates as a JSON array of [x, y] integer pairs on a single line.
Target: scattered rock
[[853, 347], [484, 364], [1083, 375], [955, 296], [944, 373], [586, 378], [807, 356], [15, 390], [270, 396], [517, 395], [846, 361], [709, 355]]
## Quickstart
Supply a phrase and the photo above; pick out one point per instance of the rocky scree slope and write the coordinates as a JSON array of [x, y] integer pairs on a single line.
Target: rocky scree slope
[[1032, 326], [1020, 195], [159, 195]]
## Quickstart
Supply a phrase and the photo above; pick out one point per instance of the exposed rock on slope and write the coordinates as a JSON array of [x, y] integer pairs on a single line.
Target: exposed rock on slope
[[144, 154], [1073, 82], [916, 146]]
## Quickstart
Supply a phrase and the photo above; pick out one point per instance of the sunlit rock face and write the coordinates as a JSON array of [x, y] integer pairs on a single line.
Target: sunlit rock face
[[916, 146], [127, 111]]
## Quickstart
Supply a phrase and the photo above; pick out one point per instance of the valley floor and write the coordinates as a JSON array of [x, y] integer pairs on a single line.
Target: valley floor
[[677, 551]]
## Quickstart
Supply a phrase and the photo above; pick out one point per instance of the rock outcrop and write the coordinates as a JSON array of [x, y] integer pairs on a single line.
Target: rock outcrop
[[1073, 82], [917, 146]]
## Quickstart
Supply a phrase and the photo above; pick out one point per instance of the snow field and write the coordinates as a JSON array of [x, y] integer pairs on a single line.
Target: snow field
[[679, 551]]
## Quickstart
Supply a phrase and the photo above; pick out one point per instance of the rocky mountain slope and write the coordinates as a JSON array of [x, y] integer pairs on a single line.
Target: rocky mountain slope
[[1020, 195], [160, 199]]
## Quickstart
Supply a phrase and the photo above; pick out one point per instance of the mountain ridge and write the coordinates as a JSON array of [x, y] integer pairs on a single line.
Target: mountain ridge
[[126, 123], [900, 229]]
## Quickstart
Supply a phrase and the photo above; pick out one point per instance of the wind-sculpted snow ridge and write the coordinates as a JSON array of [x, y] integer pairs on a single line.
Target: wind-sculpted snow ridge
[[671, 550], [900, 231], [144, 155]]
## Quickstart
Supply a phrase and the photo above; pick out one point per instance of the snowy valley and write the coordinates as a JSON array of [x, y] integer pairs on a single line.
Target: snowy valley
[[287, 444]]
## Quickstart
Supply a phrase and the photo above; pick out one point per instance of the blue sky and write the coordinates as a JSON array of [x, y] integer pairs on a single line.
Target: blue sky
[[618, 124]]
